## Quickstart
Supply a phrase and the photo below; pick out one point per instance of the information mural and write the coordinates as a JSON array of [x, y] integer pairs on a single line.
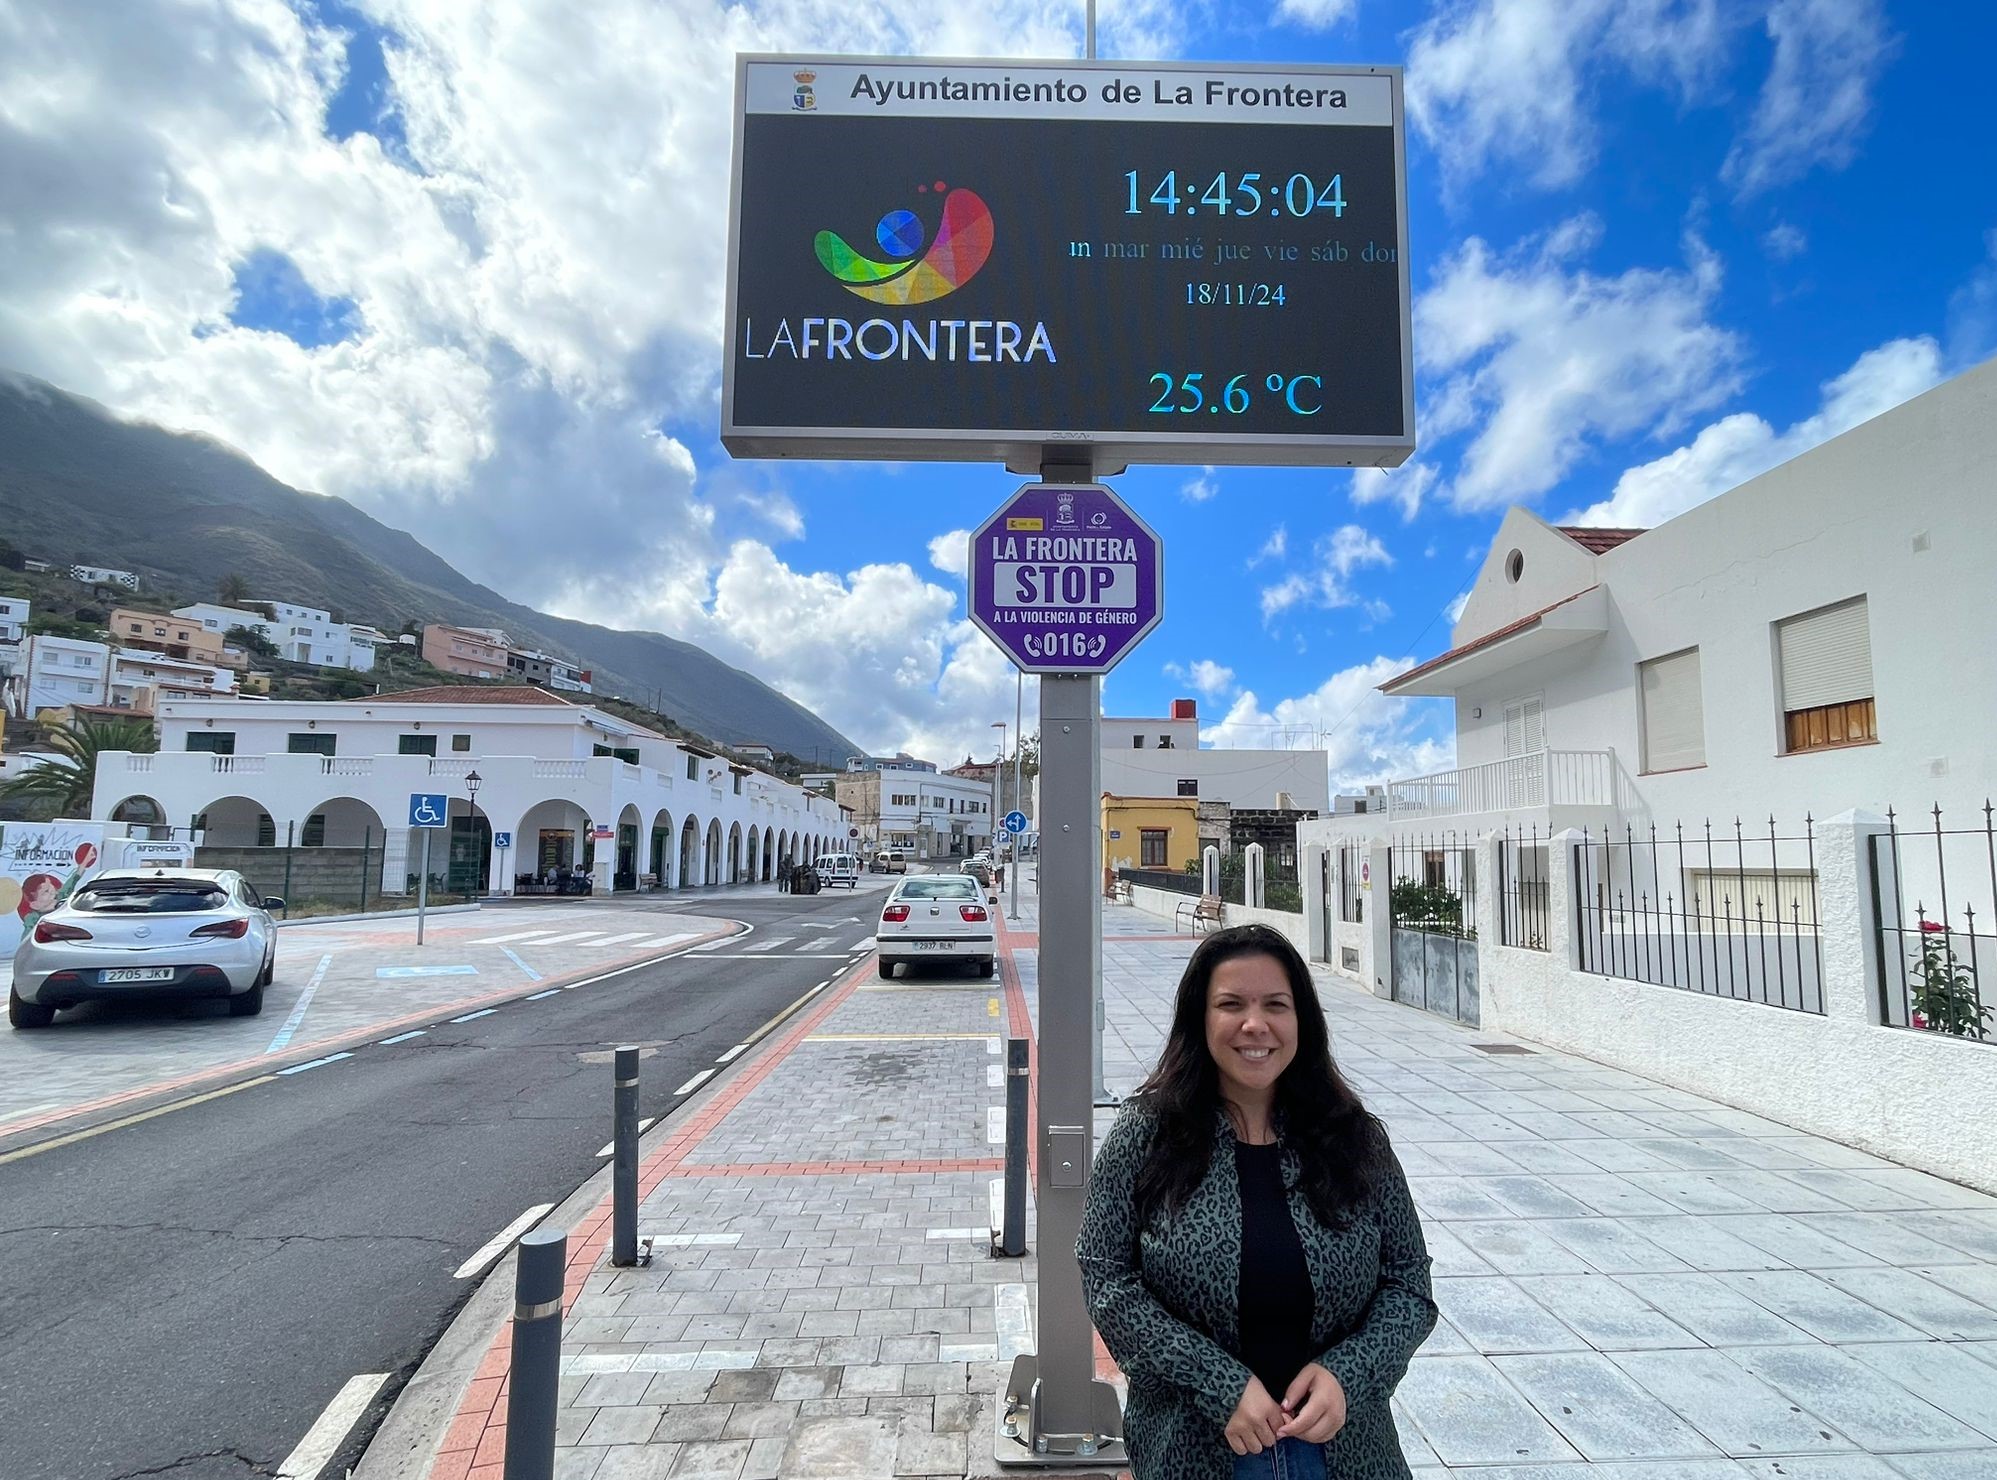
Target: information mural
[[979, 260]]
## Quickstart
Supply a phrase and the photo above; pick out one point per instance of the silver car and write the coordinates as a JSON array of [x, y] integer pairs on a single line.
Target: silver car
[[180, 933], [935, 917]]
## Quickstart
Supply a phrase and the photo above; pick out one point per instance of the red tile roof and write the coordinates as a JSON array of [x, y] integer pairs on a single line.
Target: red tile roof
[[468, 693], [1598, 541], [1509, 629]]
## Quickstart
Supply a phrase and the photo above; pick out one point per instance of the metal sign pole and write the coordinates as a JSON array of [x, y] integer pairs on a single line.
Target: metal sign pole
[[423, 886], [1018, 803]]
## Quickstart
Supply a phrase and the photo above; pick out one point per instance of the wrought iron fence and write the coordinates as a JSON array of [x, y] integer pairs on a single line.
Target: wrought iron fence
[[1732, 913], [1161, 878], [1934, 896], [1525, 901], [1432, 884], [1351, 905]]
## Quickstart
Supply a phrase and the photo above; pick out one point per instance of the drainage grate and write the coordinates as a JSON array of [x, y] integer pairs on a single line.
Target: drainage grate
[[1500, 1048]]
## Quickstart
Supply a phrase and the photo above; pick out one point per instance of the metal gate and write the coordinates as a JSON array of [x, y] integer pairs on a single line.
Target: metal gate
[[1324, 906], [1432, 914]]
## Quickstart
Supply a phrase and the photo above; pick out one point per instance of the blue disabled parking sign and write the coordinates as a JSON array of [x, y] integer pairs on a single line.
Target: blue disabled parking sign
[[429, 810], [1014, 822]]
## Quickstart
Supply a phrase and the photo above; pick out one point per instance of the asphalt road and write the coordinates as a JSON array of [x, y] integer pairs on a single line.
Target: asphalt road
[[183, 1296]]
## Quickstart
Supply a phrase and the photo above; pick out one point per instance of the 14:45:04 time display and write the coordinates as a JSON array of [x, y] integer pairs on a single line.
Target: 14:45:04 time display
[[1298, 196]]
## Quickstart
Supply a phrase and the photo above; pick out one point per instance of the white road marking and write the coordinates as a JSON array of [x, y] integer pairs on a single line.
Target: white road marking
[[570, 939], [1014, 1321], [660, 942], [995, 1124], [991, 1045], [26, 1111], [771, 944], [298, 1012], [514, 956], [618, 940], [331, 1058], [817, 945], [500, 940], [695, 1083], [644, 1125], [551, 992], [323, 1439], [957, 1233], [502, 1241], [995, 1199], [994, 1075], [482, 1012], [383, 973], [788, 956], [730, 1055], [404, 1037]]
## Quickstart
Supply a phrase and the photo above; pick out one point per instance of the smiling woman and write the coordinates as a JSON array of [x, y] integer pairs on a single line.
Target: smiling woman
[[1249, 1249]]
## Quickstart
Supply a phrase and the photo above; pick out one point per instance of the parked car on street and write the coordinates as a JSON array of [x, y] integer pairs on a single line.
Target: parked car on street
[[897, 861], [839, 868], [140, 933], [936, 917]]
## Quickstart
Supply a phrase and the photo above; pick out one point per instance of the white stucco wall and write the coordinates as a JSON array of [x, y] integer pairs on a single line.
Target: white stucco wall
[[1241, 778]]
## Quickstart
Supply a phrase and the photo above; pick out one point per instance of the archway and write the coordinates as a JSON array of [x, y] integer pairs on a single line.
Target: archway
[[235, 822], [467, 867], [713, 870], [342, 822], [734, 875], [624, 870], [143, 813], [690, 859], [660, 850], [769, 859], [547, 842], [755, 854], [783, 849]]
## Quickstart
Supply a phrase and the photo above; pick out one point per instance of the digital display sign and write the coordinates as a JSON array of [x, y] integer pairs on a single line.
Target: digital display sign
[[1155, 262]]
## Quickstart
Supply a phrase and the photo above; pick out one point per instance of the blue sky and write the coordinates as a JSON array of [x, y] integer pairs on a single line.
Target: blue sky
[[437, 263]]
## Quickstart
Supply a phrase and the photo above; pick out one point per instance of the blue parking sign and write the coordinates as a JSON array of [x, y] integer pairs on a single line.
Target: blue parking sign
[[502, 840], [429, 809]]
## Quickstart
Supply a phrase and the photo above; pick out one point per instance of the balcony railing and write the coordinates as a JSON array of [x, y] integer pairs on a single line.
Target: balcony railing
[[1543, 778]]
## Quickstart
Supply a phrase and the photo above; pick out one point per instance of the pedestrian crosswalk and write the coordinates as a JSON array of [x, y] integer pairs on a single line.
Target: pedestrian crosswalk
[[639, 941]]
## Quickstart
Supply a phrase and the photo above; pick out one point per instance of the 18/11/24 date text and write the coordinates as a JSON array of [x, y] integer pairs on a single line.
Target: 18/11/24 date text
[[1236, 295], [1301, 395]]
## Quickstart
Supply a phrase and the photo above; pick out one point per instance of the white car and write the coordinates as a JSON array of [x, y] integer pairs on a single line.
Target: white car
[[936, 917], [180, 933]]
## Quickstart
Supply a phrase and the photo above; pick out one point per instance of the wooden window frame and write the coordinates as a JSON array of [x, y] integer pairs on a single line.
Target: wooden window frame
[[1154, 840], [1830, 727]]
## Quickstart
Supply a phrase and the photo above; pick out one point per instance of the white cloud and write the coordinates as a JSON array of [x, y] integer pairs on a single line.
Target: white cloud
[[1784, 241], [1335, 557], [1513, 81], [1814, 106], [951, 552], [1273, 548], [537, 332], [1199, 490], [1545, 361], [1730, 451], [1368, 737], [1315, 15], [1454, 611], [1405, 486], [1972, 311], [1210, 678]]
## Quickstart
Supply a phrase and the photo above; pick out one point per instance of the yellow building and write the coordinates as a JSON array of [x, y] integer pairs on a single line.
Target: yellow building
[[1150, 832]]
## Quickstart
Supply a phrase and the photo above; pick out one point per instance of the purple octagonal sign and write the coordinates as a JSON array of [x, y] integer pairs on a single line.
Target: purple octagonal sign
[[1065, 578]]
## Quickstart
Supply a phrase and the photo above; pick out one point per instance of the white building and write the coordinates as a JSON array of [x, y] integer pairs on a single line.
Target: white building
[[301, 634], [1163, 758], [903, 803], [559, 780], [139, 680], [531, 665], [1792, 659], [14, 612], [61, 671], [98, 575]]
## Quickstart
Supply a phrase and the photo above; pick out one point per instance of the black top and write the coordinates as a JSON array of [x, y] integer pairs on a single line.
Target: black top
[[1276, 1299]]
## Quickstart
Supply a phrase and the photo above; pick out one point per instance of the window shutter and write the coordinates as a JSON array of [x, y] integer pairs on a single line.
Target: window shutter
[[1826, 656], [1674, 715], [1525, 727]]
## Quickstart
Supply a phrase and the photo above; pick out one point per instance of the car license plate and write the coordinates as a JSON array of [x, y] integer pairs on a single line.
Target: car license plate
[[932, 945], [137, 974]]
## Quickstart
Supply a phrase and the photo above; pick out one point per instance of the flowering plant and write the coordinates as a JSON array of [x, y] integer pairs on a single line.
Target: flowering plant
[[1944, 997]]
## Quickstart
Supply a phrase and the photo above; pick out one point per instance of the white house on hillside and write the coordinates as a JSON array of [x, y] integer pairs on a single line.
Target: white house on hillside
[[559, 779], [301, 634]]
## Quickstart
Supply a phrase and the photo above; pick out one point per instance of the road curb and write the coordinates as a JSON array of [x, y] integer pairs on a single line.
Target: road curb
[[435, 909], [409, 1439]]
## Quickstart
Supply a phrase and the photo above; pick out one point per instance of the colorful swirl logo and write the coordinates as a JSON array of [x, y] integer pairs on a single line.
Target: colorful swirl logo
[[962, 246]]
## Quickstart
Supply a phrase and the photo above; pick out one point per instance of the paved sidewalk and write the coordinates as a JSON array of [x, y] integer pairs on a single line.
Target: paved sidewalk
[[1636, 1283]]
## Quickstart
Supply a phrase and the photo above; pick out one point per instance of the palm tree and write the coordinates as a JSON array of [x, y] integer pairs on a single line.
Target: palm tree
[[232, 588], [69, 782]]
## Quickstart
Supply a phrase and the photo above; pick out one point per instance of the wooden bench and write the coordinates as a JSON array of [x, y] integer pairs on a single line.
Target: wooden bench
[[1207, 910]]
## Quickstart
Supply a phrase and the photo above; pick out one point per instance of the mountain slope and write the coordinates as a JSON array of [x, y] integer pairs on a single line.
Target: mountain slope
[[78, 484]]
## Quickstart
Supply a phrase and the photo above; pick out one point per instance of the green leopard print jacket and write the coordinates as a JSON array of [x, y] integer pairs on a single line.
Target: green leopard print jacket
[[1164, 1299]]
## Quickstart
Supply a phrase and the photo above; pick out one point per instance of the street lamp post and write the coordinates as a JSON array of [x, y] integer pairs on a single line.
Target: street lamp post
[[998, 766], [472, 783]]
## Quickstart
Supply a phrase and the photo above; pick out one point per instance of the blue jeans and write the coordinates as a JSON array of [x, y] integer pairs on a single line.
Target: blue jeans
[[1291, 1459]]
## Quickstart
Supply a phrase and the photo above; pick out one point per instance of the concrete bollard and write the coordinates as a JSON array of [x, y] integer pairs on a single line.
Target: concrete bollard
[[1012, 1238], [624, 1168], [533, 1388]]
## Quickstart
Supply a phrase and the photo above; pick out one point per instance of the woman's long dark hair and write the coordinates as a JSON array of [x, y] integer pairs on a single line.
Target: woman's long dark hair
[[1342, 1146]]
